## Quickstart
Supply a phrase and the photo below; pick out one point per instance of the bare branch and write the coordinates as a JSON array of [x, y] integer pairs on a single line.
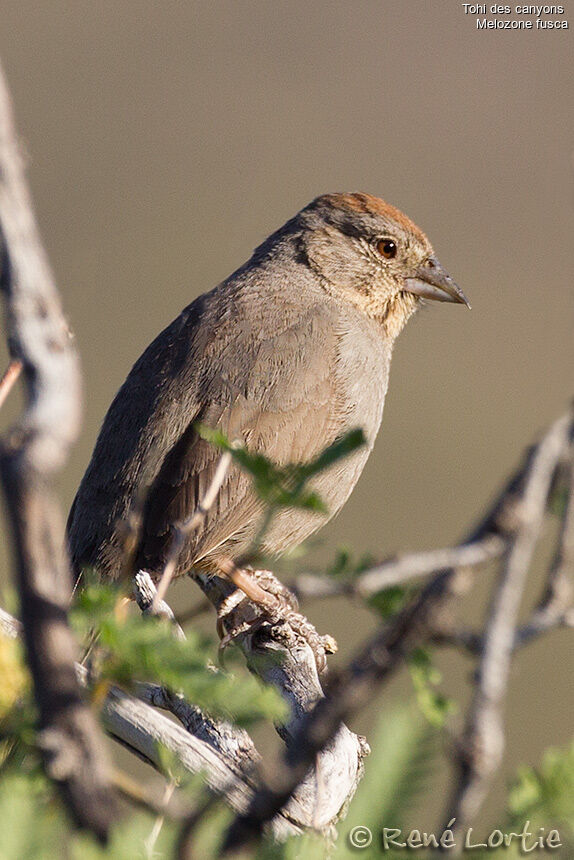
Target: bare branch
[[538, 624], [483, 744], [283, 652], [30, 455], [145, 731], [555, 606], [174, 807], [9, 625], [225, 754], [232, 743], [146, 598], [398, 571]]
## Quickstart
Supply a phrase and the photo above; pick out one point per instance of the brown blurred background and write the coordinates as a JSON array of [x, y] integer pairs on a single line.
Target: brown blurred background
[[166, 140]]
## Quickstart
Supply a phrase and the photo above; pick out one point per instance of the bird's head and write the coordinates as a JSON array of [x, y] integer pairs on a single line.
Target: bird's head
[[369, 253]]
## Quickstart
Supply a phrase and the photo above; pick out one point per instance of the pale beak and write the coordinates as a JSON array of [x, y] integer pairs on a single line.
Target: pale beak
[[431, 281]]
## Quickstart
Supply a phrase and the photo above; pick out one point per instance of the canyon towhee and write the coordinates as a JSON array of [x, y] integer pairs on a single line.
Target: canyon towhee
[[287, 354]]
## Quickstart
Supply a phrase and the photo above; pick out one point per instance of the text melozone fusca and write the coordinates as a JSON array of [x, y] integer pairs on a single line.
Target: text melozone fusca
[[285, 355]]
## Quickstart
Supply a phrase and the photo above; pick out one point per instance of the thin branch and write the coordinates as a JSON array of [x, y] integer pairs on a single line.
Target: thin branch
[[233, 747], [398, 571], [224, 753], [555, 606], [284, 654], [150, 842], [146, 731], [283, 651], [176, 808], [9, 625], [30, 455], [473, 642], [146, 598], [483, 745]]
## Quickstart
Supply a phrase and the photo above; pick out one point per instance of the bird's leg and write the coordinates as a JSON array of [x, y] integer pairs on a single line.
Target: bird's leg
[[246, 581], [229, 624]]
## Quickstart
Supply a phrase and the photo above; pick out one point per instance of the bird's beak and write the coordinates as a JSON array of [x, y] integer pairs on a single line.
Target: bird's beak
[[431, 281]]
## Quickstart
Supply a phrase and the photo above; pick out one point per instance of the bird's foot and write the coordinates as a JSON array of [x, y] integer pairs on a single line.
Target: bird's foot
[[259, 600]]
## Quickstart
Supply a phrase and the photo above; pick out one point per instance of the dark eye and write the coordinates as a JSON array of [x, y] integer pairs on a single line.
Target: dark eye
[[387, 248]]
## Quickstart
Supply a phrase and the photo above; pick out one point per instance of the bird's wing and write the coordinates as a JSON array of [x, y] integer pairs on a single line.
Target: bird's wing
[[273, 390], [150, 412]]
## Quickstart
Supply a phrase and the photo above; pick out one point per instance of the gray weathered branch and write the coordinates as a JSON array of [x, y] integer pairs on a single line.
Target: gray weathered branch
[[483, 743], [223, 753], [398, 571], [31, 453], [283, 654]]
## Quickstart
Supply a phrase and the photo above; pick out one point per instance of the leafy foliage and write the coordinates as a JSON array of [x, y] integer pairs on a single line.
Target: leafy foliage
[[397, 772], [546, 794], [132, 647], [388, 601], [403, 757], [14, 674], [30, 799], [17, 710]]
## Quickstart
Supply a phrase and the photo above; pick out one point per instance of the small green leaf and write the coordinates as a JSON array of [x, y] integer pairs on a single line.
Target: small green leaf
[[388, 601], [345, 565], [341, 447]]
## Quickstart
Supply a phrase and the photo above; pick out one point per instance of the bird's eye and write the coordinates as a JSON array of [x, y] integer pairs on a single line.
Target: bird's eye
[[387, 248]]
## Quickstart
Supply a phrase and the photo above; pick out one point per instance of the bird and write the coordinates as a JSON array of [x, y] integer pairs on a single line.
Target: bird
[[285, 355]]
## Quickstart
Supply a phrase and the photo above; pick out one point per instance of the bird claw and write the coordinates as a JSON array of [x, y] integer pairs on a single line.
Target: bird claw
[[238, 615]]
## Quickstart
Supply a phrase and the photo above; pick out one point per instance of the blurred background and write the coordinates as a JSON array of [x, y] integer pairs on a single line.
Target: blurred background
[[165, 141]]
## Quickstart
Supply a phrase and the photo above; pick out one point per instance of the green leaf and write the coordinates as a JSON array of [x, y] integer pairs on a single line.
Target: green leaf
[[425, 676], [388, 601], [33, 820], [345, 565], [546, 792], [341, 447]]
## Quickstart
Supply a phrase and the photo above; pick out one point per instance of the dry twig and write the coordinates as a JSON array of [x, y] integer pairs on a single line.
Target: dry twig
[[398, 571], [280, 654]]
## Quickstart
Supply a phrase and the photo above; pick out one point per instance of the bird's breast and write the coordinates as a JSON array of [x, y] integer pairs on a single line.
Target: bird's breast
[[362, 371], [360, 380]]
